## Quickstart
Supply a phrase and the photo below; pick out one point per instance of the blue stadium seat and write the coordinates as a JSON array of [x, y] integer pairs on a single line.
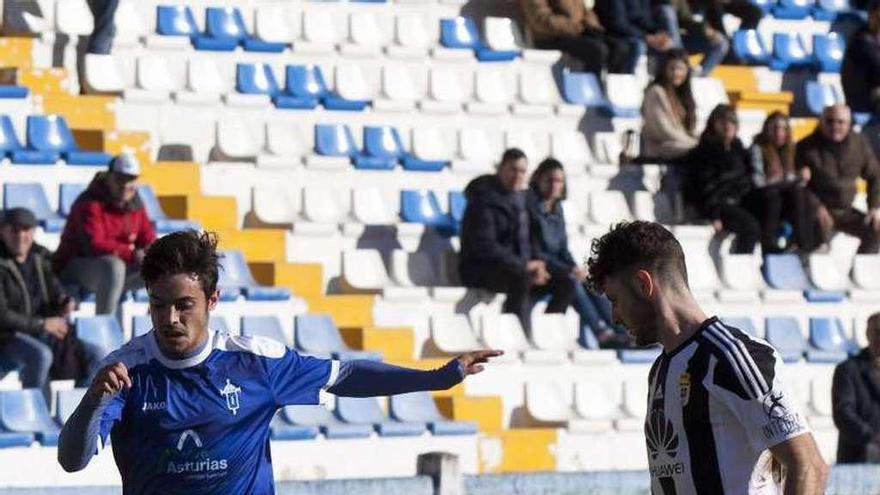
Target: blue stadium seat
[[321, 417], [334, 140], [766, 5], [305, 87], [236, 278], [749, 47], [366, 410], [820, 95], [786, 272], [10, 145], [141, 324], [828, 342], [461, 33], [176, 20], [25, 411], [789, 50], [317, 334], [10, 91], [784, 333], [421, 206], [457, 205], [161, 222], [31, 195], [225, 29], [101, 330], [66, 402], [828, 50], [50, 133], [264, 326], [743, 323], [828, 10], [67, 194], [256, 79], [793, 9], [419, 407], [382, 149], [282, 430], [583, 88], [637, 356]]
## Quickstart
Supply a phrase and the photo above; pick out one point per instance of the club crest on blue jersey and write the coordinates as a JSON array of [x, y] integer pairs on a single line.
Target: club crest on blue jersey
[[231, 392]]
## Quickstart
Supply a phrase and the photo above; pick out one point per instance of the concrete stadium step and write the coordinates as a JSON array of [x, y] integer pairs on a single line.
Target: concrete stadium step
[[303, 279], [172, 178], [487, 412], [392, 343], [81, 111], [347, 310], [213, 212]]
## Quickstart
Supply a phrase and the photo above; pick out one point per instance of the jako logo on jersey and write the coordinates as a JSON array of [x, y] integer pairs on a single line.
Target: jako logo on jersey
[[231, 393], [153, 400], [781, 421], [192, 458]]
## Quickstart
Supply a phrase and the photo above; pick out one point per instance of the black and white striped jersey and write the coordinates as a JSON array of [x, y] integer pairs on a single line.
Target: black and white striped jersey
[[715, 405]]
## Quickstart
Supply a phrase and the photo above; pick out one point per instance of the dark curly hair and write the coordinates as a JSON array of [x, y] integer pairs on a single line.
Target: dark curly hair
[[643, 245], [191, 252]]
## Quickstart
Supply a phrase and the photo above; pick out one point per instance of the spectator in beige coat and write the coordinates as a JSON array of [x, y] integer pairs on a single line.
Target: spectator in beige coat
[[668, 110]]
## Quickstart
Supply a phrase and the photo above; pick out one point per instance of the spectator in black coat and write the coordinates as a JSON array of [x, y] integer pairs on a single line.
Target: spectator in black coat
[[496, 252], [633, 20], [719, 182], [855, 395], [860, 72]]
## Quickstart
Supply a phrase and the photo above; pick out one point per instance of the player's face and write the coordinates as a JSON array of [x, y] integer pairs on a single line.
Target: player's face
[[632, 309], [179, 310]]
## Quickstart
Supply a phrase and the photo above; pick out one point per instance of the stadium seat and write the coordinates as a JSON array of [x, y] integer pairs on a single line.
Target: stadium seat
[[546, 402], [789, 51], [639, 356], [504, 332], [820, 95], [176, 20], [652, 207], [829, 10], [785, 272], [73, 18], [412, 269], [156, 214], [461, 33], [490, 93], [828, 342], [635, 391], [10, 91], [101, 330], [321, 417], [708, 93], [234, 141], [765, 5], [865, 270], [317, 334], [369, 208], [792, 9], [66, 401], [25, 411], [140, 325], [363, 270], [319, 33], [256, 79], [154, 79], [273, 24], [477, 152], [49, 133], [626, 99], [457, 205], [571, 148], [382, 149], [31, 195], [102, 74], [428, 146], [452, 334], [366, 411], [828, 50], [305, 87], [67, 195], [419, 407], [203, 80], [236, 278], [445, 94], [398, 92], [749, 47], [583, 88], [502, 35], [784, 333], [320, 205], [280, 429], [364, 35], [266, 326], [422, 207], [743, 323], [825, 274], [11, 147], [410, 37], [740, 271], [607, 207], [285, 144], [334, 140], [593, 400], [351, 92]]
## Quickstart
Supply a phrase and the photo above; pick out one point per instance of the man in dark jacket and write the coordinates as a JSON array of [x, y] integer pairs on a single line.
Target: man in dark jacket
[[105, 236], [860, 72], [855, 395], [34, 309], [496, 252], [832, 159], [633, 20]]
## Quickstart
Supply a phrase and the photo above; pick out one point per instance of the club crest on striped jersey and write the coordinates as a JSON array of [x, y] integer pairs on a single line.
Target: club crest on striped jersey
[[684, 388]]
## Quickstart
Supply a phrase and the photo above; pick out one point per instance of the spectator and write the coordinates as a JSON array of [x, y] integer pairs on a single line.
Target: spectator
[[34, 333], [669, 113], [547, 189], [101, 40], [700, 37], [831, 159], [496, 252], [106, 233], [860, 72], [568, 26], [856, 402], [713, 12], [632, 20], [784, 197], [718, 181]]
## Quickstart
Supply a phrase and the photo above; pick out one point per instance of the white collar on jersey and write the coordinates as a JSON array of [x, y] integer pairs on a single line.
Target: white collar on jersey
[[189, 362]]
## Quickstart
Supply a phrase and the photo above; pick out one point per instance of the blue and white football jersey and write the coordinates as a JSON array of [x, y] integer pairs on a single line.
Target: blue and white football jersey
[[201, 425]]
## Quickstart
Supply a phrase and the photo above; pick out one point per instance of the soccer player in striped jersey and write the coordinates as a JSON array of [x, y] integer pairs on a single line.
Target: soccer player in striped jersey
[[188, 409], [719, 418]]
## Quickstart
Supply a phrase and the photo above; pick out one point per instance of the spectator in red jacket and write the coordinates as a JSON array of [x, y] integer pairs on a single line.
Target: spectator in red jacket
[[106, 233]]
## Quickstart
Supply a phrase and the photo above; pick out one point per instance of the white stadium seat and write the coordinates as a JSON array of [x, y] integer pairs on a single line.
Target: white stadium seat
[[73, 17], [525, 141], [490, 93], [285, 143], [546, 402], [652, 207], [865, 270], [399, 93], [476, 150], [635, 393], [369, 208], [102, 74], [825, 274], [820, 395], [444, 91], [321, 205], [276, 24], [607, 207], [452, 334], [364, 35], [503, 331], [708, 93], [412, 269], [351, 83], [626, 93], [537, 92], [598, 400], [571, 148], [319, 34], [234, 140], [277, 204], [204, 83], [428, 144], [130, 25], [702, 275], [502, 34], [741, 271], [363, 270], [154, 80], [410, 37]]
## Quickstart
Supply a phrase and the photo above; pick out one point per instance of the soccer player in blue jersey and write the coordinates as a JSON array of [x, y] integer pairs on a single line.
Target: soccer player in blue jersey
[[188, 409]]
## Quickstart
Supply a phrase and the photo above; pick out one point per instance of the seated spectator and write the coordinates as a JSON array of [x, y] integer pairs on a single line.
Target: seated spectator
[[713, 12], [718, 182], [783, 194], [496, 252], [699, 37], [860, 72], [101, 39], [669, 113], [632, 20], [547, 190], [105, 236], [568, 26], [34, 334], [831, 159], [856, 403]]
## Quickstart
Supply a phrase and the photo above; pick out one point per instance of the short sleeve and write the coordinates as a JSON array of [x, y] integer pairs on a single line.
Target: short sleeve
[[746, 380], [298, 380]]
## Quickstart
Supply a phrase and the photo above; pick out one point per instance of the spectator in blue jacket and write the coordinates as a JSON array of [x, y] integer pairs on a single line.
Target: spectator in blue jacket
[[547, 190], [633, 20]]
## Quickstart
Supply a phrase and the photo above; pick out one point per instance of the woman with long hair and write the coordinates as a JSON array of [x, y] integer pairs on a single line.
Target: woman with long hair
[[784, 195], [669, 113], [547, 190]]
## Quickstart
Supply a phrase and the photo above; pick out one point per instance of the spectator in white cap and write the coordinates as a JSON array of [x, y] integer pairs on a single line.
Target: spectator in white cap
[[106, 234]]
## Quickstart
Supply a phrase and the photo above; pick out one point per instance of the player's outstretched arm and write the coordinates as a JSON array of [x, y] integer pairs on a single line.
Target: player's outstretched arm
[[363, 378], [805, 470], [78, 441]]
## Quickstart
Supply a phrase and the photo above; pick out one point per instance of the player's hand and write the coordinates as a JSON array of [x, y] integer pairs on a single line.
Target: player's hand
[[110, 380], [472, 362], [55, 326]]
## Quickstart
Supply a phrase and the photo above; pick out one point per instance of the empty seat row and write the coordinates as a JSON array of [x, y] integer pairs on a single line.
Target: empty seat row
[[49, 141], [790, 50], [827, 342]]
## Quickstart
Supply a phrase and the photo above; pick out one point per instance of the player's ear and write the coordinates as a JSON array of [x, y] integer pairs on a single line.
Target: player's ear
[[645, 283], [213, 299]]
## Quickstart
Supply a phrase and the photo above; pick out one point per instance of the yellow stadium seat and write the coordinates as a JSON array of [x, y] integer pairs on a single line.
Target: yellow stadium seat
[[347, 310], [487, 412], [213, 212], [392, 343], [303, 279]]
